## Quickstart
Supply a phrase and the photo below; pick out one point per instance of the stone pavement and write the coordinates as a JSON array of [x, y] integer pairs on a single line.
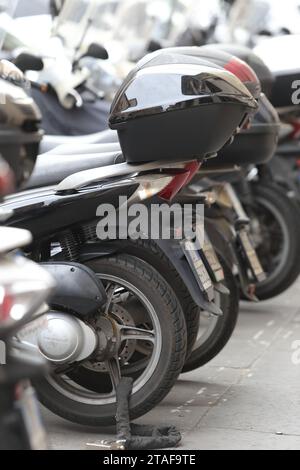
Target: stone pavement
[[247, 398]]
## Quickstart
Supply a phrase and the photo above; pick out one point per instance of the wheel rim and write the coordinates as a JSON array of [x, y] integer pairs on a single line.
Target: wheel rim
[[207, 325], [273, 250], [75, 391]]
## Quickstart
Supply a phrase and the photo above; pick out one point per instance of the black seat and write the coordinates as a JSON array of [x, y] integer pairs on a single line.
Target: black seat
[[53, 167], [50, 142]]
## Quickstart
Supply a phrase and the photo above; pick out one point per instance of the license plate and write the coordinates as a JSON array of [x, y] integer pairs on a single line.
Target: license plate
[[213, 261], [198, 267], [251, 256], [29, 407]]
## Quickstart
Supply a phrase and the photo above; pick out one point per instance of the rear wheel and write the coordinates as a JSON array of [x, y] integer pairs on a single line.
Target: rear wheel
[[153, 349], [215, 332], [150, 252], [275, 225]]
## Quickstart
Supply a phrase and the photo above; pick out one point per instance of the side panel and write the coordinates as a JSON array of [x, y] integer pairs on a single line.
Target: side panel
[[78, 289]]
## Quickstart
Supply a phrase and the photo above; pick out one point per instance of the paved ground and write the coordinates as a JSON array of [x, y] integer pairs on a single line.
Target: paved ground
[[248, 398]]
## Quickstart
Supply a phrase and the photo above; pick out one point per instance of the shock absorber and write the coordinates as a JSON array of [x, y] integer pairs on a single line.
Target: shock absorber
[[69, 243], [71, 240], [88, 232]]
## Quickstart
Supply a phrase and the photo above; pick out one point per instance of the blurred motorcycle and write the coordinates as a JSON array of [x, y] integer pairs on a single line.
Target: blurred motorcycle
[[24, 286]]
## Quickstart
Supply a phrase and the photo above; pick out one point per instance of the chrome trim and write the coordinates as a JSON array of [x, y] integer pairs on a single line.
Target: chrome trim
[[96, 175]]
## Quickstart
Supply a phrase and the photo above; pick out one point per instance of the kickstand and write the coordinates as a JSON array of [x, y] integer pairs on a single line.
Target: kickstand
[[135, 436]]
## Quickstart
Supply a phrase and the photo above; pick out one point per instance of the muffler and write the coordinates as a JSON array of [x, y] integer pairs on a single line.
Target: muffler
[[60, 338]]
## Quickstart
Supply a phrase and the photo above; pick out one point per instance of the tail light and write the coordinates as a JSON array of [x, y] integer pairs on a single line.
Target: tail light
[[7, 185], [296, 129], [179, 181], [246, 74], [6, 303]]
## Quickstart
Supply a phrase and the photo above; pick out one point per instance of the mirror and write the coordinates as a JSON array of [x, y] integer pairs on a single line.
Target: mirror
[[96, 52], [154, 45], [26, 61]]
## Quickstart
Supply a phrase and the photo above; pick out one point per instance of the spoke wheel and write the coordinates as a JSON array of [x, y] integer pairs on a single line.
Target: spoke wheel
[[276, 237], [144, 338], [96, 381]]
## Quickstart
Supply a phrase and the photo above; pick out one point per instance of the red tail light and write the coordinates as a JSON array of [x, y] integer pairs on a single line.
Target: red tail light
[[246, 74], [6, 179], [6, 304], [179, 181], [240, 69], [193, 168], [296, 129]]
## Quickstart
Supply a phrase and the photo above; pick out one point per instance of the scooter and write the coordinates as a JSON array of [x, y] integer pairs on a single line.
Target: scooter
[[24, 289], [274, 235], [62, 221], [272, 206]]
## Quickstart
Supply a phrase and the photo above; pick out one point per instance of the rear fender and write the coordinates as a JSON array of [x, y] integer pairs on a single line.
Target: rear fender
[[78, 289], [173, 252]]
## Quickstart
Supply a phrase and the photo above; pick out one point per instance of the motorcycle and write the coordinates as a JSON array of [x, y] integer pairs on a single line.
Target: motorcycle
[[24, 288]]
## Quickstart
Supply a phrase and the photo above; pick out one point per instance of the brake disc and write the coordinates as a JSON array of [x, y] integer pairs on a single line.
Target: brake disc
[[126, 349]]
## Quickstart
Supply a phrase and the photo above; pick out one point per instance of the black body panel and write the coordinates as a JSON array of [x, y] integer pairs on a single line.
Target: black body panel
[[77, 289], [44, 213]]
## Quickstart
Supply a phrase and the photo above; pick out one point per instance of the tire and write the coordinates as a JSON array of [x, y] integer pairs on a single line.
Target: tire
[[283, 175], [223, 328], [170, 360], [149, 251], [273, 200]]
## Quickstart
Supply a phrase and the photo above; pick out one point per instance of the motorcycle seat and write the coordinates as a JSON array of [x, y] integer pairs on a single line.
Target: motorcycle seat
[[50, 142], [81, 149], [52, 168]]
